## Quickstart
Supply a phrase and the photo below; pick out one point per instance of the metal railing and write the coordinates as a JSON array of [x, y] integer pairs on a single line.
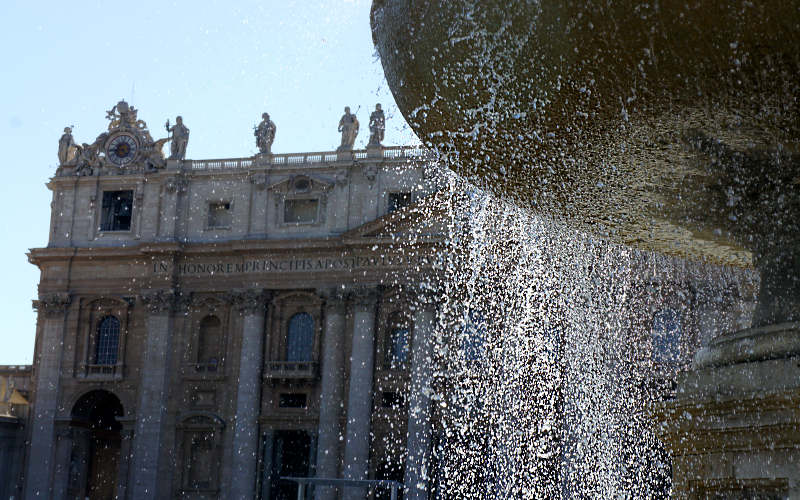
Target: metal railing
[[291, 369], [303, 482], [313, 158]]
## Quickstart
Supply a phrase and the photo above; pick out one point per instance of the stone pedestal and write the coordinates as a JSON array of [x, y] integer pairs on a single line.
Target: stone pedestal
[[733, 429], [359, 400], [330, 409], [251, 304]]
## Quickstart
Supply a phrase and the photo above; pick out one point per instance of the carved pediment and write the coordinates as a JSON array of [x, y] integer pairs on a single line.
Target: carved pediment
[[420, 220], [301, 184]]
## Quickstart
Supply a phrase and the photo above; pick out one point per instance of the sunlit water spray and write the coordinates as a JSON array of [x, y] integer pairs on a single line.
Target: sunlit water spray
[[546, 367]]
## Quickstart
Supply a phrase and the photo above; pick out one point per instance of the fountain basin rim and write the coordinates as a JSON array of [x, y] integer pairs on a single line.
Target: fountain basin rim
[[751, 344]]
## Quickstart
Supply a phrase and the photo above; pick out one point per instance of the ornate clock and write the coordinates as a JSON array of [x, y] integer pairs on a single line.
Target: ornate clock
[[121, 149]]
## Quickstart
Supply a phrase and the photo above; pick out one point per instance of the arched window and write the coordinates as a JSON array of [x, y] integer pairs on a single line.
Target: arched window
[[300, 338], [208, 341], [397, 341], [666, 337], [107, 348], [474, 336]]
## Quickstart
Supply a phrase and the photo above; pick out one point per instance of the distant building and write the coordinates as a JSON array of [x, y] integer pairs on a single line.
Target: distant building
[[15, 383]]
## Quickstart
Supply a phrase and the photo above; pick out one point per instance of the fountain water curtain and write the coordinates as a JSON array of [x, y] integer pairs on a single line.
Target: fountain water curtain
[[545, 358], [666, 126]]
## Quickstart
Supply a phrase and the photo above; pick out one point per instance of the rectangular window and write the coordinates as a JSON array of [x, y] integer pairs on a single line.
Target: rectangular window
[[292, 400], [398, 201], [219, 215], [117, 211], [300, 211]]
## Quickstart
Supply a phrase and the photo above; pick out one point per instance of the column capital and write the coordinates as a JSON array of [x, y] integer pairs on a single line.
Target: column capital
[[364, 296], [52, 304], [422, 295], [249, 300], [158, 300], [334, 296]]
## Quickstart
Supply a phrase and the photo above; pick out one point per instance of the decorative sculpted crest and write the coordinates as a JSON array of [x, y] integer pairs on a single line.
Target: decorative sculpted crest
[[126, 146]]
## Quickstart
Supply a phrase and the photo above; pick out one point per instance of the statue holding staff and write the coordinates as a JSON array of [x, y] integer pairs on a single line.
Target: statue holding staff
[[180, 139]]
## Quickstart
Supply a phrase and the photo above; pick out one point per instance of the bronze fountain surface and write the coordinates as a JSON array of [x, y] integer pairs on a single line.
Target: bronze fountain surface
[[669, 126]]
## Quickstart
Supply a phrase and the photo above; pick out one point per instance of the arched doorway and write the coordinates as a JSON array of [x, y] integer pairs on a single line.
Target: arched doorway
[[96, 453]]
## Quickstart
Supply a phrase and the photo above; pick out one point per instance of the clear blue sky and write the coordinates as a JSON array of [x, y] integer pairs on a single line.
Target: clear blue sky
[[219, 64]]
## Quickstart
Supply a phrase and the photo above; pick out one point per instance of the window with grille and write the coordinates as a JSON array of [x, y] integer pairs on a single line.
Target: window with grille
[[300, 337], [117, 211], [397, 342], [107, 341], [209, 342], [666, 335], [474, 336], [303, 211], [219, 215]]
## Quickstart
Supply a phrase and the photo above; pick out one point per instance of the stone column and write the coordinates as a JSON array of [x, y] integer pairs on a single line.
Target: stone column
[[330, 406], [359, 400], [63, 461], [173, 188], [153, 392], [52, 309], [251, 305], [123, 469], [417, 472], [268, 438]]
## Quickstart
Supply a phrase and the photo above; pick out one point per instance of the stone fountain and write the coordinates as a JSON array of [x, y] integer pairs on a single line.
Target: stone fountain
[[669, 126]]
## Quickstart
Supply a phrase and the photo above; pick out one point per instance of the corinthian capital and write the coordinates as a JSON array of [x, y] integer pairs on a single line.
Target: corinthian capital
[[52, 304], [364, 296], [249, 300], [334, 296], [158, 301], [422, 294]]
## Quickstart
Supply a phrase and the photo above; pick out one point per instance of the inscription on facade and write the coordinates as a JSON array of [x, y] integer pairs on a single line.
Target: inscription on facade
[[292, 265]]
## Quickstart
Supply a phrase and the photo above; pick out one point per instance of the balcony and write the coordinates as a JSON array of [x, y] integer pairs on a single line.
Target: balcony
[[103, 371], [307, 159], [290, 371]]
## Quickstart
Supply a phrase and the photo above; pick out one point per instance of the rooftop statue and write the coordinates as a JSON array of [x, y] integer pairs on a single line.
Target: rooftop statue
[[377, 126], [348, 126], [67, 149], [265, 134], [180, 139]]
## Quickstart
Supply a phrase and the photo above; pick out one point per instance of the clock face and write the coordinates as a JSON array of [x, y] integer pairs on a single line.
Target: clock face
[[122, 149]]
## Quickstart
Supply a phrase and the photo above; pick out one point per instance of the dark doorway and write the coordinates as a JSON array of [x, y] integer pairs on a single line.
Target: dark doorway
[[291, 454], [95, 454]]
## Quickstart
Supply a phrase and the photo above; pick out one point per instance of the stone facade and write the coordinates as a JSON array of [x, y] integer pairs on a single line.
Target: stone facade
[[206, 327]]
